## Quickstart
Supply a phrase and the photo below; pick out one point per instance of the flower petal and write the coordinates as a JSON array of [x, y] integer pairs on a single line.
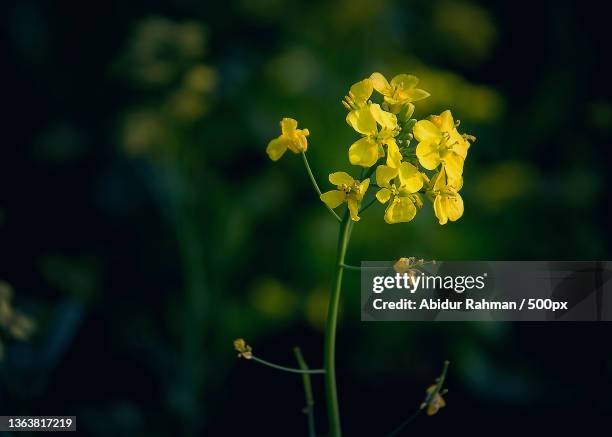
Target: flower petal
[[277, 147], [362, 91], [380, 84], [383, 195], [353, 206], [446, 121], [363, 152], [401, 209], [362, 121], [440, 210], [404, 81], [386, 119], [453, 164], [288, 125], [428, 154], [425, 130], [416, 94], [363, 187], [333, 198], [384, 174], [341, 178], [454, 207], [410, 177], [394, 157]]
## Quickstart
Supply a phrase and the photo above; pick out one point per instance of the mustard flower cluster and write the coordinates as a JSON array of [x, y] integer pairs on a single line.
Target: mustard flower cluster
[[408, 157]]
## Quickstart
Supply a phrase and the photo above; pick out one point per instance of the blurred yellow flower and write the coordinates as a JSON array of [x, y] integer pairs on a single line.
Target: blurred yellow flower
[[366, 151], [400, 186], [243, 349], [436, 400], [291, 138], [441, 143], [402, 91], [349, 190], [448, 204]]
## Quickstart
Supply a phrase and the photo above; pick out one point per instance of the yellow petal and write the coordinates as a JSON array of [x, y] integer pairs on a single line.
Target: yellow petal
[[353, 206], [341, 178], [453, 164], [461, 146], [277, 148], [384, 174], [446, 121], [363, 187], [288, 126], [440, 210], [363, 152], [416, 94], [298, 142], [380, 84], [401, 209], [333, 198], [410, 177], [428, 154], [404, 81], [383, 195], [394, 157], [383, 118], [454, 207], [425, 130], [361, 91], [362, 121]]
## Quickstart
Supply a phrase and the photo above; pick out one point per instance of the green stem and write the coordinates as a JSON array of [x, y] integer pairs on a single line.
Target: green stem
[[333, 411], [287, 369], [405, 423], [349, 267], [315, 185], [370, 203], [309, 409]]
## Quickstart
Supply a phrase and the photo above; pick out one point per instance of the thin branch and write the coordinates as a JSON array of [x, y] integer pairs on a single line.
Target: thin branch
[[370, 203], [405, 423], [349, 267], [315, 185], [428, 399], [287, 369], [309, 409]]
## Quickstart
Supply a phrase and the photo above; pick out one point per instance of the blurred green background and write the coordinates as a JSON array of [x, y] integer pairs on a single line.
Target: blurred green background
[[143, 228]]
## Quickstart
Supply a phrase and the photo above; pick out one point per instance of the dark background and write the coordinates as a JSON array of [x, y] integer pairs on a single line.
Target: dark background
[[143, 228]]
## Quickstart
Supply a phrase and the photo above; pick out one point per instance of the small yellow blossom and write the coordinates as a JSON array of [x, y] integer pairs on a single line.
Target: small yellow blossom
[[349, 190], [400, 186], [435, 400], [402, 91], [366, 151], [291, 138], [447, 202], [441, 143], [358, 95], [243, 349]]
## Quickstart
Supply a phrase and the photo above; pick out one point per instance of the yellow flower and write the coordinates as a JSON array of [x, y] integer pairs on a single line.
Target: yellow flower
[[366, 151], [401, 187], [349, 190], [358, 95], [400, 92], [244, 350], [441, 143], [448, 204], [435, 400], [291, 138]]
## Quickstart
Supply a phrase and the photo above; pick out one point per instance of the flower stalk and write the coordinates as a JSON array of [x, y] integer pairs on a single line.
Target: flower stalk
[[309, 408], [329, 360]]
